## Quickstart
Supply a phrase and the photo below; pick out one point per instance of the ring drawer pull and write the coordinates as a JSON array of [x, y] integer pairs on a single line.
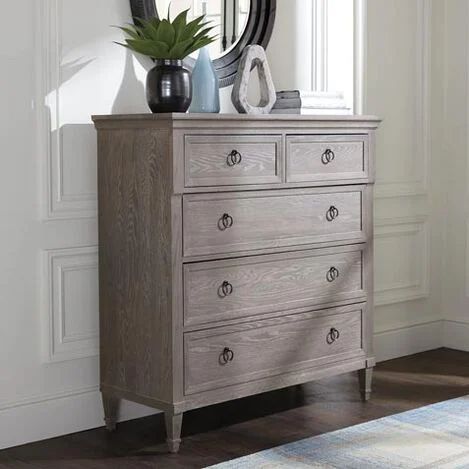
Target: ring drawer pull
[[234, 158], [226, 221], [226, 356], [332, 213], [332, 274], [328, 156], [225, 289], [332, 336]]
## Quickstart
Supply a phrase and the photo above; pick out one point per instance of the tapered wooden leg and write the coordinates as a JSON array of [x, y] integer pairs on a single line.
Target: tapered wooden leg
[[111, 409], [364, 380], [173, 431]]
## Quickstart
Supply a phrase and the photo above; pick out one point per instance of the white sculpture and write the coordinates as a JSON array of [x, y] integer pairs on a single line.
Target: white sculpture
[[253, 56]]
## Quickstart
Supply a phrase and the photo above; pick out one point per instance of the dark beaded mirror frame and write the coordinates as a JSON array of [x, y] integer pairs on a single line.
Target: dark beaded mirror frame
[[258, 30]]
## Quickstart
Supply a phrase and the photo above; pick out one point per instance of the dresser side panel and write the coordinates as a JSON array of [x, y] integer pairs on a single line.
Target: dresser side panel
[[135, 261], [368, 323]]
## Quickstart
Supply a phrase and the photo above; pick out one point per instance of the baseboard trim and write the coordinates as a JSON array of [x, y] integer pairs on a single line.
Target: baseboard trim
[[408, 340], [51, 416], [456, 335]]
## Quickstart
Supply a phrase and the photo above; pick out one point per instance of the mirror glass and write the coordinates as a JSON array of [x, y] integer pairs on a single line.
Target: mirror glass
[[229, 16]]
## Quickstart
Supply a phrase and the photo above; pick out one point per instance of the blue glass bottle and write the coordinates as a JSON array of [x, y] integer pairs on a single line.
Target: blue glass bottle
[[205, 88]]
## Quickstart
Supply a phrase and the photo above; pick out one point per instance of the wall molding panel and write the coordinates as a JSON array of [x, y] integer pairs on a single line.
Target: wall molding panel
[[72, 274], [421, 151], [60, 201], [399, 229]]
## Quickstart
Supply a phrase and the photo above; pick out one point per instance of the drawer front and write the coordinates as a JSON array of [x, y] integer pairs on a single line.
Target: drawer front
[[231, 355], [225, 290], [232, 160], [228, 223], [312, 158]]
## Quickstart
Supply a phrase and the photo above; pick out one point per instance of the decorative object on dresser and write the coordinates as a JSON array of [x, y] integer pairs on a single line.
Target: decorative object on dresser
[[206, 91], [169, 87], [242, 23], [310, 102], [253, 56], [235, 256]]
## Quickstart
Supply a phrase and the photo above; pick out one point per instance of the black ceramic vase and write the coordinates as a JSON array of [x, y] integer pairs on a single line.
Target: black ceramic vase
[[169, 87]]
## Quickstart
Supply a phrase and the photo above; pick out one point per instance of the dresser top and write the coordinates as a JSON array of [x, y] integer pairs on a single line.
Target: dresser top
[[227, 121], [234, 117]]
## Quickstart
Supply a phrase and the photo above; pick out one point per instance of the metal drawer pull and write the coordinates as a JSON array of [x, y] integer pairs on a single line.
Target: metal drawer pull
[[332, 213], [333, 335], [328, 156], [225, 289], [226, 221], [234, 158], [332, 274], [226, 356]]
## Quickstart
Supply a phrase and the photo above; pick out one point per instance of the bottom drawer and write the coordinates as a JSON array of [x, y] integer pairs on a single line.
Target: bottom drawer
[[236, 354]]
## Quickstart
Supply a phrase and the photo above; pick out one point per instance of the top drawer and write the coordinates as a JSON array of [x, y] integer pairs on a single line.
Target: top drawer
[[312, 158], [217, 160]]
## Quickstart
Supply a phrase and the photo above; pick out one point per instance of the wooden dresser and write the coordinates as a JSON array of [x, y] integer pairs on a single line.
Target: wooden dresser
[[235, 256]]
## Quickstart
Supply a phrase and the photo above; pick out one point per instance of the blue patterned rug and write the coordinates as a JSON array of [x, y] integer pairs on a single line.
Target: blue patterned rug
[[435, 436]]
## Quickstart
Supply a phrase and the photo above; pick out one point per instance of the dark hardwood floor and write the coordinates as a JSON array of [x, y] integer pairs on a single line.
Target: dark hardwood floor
[[242, 427]]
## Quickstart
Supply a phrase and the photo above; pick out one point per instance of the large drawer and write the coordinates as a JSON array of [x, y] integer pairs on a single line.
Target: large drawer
[[231, 355], [217, 160], [231, 289], [229, 223], [326, 158]]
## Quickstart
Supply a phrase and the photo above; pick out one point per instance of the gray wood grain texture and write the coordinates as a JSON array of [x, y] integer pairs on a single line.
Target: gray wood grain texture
[[135, 262], [119, 120], [270, 219], [266, 284], [181, 178], [111, 411], [364, 381], [267, 347], [327, 158], [146, 217], [173, 423], [258, 160]]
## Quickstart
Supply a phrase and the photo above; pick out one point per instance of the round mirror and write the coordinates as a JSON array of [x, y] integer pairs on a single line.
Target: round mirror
[[228, 16], [238, 23]]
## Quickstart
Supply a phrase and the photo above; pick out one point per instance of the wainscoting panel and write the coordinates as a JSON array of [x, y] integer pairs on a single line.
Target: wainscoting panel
[[408, 236], [401, 260], [69, 187], [72, 289], [403, 163]]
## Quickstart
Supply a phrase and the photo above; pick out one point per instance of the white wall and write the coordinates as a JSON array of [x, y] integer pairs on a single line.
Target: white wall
[[63, 67], [453, 148], [59, 70], [408, 242]]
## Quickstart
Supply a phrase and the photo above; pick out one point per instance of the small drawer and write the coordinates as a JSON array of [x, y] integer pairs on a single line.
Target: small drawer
[[216, 358], [237, 288], [326, 158], [216, 160], [230, 223]]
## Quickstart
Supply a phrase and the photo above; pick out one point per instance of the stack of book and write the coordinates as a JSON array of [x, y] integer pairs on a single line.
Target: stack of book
[[310, 102]]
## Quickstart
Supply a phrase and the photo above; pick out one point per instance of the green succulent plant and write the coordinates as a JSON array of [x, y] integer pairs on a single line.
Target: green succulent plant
[[166, 39]]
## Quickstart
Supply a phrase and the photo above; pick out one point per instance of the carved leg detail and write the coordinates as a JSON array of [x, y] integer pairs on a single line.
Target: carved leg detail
[[173, 431], [364, 380], [111, 409]]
